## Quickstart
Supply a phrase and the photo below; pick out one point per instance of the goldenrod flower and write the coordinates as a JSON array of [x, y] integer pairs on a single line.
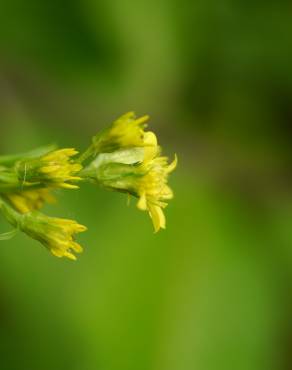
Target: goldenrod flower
[[129, 161], [56, 234], [127, 131], [30, 200], [152, 188], [56, 169], [146, 180]]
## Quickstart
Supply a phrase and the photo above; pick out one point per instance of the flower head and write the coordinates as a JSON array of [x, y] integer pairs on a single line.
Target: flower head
[[128, 160], [56, 169], [146, 180], [152, 188], [56, 234], [127, 131], [30, 200]]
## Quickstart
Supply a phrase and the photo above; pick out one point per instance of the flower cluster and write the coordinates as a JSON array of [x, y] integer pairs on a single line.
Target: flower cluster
[[135, 167], [124, 157], [56, 234], [56, 169]]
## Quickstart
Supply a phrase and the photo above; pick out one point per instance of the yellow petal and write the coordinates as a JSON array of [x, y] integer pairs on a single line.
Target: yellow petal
[[150, 146], [70, 256], [142, 203], [166, 193], [141, 120], [79, 228], [57, 252], [49, 169], [76, 247], [150, 138], [157, 216], [61, 153], [172, 165], [67, 186]]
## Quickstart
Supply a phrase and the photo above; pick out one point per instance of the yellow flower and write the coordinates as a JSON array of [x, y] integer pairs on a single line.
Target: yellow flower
[[146, 180], [127, 131], [150, 181], [55, 169], [128, 160], [152, 188], [30, 200], [56, 234]]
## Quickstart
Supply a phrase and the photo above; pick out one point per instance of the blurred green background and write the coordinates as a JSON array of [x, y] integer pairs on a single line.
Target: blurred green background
[[214, 290]]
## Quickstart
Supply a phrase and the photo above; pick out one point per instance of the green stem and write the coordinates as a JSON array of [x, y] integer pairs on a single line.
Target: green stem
[[12, 216], [87, 154]]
